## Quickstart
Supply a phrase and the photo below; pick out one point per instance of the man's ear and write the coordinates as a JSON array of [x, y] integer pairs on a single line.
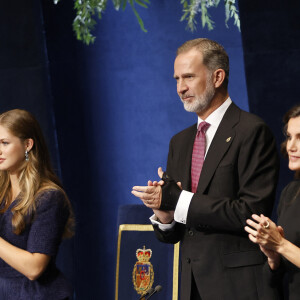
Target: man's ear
[[29, 144], [219, 77]]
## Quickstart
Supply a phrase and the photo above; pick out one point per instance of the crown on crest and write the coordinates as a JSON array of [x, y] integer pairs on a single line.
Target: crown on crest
[[143, 255]]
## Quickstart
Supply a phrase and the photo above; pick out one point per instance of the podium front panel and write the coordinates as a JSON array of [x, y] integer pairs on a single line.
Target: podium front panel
[[162, 269]]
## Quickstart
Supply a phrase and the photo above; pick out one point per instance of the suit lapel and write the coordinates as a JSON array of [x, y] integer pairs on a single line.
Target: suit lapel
[[220, 144]]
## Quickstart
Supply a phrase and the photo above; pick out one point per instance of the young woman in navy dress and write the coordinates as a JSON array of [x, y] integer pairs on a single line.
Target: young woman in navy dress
[[35, 213]]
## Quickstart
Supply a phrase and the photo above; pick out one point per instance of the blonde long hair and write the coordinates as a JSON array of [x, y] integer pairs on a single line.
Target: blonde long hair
[[36, 174]]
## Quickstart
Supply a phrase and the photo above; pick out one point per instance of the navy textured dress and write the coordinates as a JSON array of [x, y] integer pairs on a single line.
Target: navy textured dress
[[43, 234]]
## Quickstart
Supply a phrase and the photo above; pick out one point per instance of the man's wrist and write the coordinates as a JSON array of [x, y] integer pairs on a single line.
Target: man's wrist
[[170, 195], [164, 222]]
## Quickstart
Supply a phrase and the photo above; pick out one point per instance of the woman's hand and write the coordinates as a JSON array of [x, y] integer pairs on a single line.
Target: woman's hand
[[268, 236], [271, 237], [264, 232]]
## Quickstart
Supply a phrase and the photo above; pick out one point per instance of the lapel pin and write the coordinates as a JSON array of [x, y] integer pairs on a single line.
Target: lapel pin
[[228, 139]]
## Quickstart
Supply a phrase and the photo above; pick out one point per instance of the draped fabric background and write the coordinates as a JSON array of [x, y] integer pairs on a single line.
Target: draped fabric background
[[109, 110], [271, 44]]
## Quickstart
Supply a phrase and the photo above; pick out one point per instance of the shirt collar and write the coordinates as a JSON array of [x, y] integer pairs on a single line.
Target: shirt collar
[[215, 118]]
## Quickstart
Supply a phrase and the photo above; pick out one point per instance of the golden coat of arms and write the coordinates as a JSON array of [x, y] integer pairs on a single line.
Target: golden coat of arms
[[143, 275]]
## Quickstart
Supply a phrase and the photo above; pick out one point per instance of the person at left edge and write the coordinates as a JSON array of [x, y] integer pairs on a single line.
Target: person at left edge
[[35, 213]]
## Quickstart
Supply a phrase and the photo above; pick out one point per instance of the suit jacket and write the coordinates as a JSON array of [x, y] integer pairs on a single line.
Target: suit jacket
[[238, 179]]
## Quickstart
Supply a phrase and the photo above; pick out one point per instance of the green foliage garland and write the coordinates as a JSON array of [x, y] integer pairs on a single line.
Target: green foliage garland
[[86, 10]]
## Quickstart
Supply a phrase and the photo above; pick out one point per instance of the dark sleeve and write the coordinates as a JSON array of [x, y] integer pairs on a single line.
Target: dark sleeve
[[254, 173], [284, 194], [170, 236], [48, 224], [273, 281]]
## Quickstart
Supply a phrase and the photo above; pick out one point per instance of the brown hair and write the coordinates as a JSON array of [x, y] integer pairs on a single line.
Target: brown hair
[[294, 112], [214, 55], [37, 174]]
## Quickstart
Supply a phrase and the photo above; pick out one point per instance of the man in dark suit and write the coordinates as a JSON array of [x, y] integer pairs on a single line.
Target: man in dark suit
[[204, 199]]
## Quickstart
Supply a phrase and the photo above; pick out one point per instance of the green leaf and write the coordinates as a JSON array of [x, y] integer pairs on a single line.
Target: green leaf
[[184, 16], [141, 3], [87, 10], [124, 4], [138, 18], [206, 17], [117, 4], [231, 12]]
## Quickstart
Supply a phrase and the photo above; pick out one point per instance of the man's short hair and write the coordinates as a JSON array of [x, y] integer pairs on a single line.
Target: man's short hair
[[214, 55]]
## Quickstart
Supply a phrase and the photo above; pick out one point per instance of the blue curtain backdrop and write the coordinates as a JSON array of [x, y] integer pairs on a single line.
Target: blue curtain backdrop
[[110, 109], [120, 98], [116, 108], [271, 43]]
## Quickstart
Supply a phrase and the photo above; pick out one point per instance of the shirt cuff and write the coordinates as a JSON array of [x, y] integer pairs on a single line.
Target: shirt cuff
[[182, 207], [161, 226]]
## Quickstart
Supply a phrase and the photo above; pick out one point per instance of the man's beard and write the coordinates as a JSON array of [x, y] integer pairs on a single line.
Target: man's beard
[[201, 103]]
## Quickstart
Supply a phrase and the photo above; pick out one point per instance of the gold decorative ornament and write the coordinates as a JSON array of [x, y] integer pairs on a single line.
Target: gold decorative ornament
[[143, 274]]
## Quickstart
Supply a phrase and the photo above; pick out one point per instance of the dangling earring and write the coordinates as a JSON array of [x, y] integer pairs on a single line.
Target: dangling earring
[[26, 156]]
